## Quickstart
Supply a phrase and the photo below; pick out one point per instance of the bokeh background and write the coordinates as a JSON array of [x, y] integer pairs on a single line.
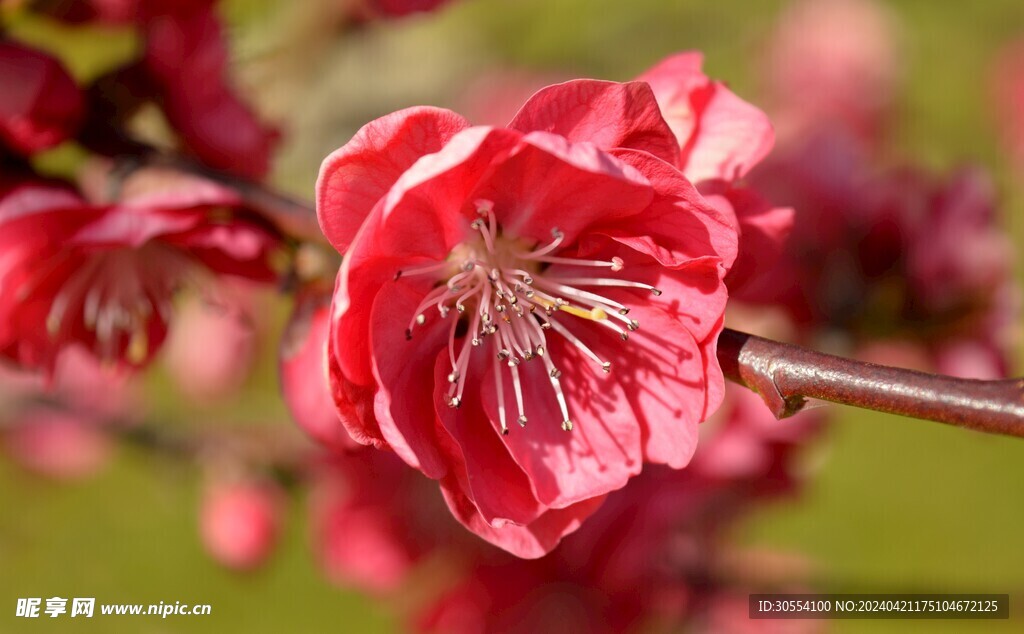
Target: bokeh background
[[893, 504]]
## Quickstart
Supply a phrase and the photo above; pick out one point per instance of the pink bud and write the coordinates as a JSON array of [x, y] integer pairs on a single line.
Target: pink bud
[[240, 522]]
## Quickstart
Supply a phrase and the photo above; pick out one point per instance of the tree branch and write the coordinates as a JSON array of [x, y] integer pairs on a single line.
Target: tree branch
[[786, 376]]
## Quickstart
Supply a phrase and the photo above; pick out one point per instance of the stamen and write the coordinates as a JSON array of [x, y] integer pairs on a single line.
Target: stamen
[[606, 281], [508, 291], [499, 386], [421, 270], [560, 329]]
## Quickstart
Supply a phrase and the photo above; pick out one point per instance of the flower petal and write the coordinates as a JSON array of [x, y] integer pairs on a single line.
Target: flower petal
[[600, 453], [607, 114], [593, 187], [403, 370], [529, 542], [680, 224], [720, 135], [353, 178], [496, 485]]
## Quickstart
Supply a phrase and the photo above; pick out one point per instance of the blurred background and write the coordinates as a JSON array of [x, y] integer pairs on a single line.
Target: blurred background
[[888, 505]]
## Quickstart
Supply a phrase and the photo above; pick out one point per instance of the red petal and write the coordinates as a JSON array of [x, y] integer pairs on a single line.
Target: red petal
[[592, 187], [721, 136], [529, 542], [601, 452], [403, 370], [497, 486], [607, 114], [680, 224], [353, 178]]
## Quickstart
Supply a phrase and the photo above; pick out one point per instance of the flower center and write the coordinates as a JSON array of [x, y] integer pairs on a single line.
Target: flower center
[[118, 292], [506, 293]]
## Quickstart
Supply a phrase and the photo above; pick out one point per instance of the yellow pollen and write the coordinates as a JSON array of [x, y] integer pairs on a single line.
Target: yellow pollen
[[138, 346], [594, 314]]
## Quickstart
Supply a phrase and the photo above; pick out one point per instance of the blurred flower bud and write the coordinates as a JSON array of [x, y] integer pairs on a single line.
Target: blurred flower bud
[[240, 522]]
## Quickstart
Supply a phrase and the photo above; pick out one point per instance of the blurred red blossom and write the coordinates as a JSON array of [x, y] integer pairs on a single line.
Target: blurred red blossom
[[103, 274], [373, 520], [240, 522], [183, 68], [186, 56], [898, 253], [832, 62], [40, 104], [517, 224]]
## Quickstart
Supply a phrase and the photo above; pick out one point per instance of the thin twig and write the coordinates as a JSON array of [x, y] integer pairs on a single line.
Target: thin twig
[[786, 376]]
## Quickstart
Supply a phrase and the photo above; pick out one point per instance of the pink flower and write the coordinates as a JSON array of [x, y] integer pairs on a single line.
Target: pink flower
[[304, 376], [240, 522], [721, 137], [833, 62], [40, 105], [558, 276], [103, 275]]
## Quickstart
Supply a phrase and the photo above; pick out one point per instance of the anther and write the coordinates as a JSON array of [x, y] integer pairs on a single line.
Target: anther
[[408, 334], [566, 425], [522, 421], [606, 366], [555, 373], [453, 376], [633, 325], [454, 402], [421, 319]]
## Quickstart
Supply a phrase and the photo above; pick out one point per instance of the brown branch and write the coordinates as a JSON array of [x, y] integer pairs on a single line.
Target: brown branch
[[786, 376]]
